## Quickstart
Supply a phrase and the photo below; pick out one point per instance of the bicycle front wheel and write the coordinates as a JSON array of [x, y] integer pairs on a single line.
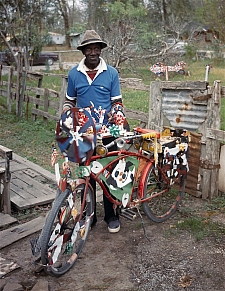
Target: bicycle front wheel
[[165, 194], [66, 230]]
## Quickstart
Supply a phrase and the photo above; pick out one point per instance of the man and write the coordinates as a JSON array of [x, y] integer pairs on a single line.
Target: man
[[94, 83]]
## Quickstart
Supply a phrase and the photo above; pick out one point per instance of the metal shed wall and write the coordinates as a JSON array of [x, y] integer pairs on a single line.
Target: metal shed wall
[[181, 105]]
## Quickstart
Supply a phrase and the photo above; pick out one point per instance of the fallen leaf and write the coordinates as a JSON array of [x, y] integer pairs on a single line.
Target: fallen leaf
[[185, 281]]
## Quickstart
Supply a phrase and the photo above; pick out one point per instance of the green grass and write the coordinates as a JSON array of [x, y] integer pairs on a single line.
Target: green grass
[[217, 203], [31, 140], [201, 228], [136, 99], [202, 219]]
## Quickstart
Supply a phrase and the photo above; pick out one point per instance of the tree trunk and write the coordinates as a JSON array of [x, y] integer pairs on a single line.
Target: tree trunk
[[91, 18]]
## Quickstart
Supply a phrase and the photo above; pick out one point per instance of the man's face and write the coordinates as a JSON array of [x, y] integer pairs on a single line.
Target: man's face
[[92, 53]]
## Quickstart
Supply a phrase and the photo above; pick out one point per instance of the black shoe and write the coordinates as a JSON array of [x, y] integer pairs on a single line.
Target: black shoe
[[114, 226]]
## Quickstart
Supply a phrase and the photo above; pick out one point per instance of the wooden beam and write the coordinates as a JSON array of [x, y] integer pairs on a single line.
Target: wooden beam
[[13, 234], [215, 134], [184, 85]]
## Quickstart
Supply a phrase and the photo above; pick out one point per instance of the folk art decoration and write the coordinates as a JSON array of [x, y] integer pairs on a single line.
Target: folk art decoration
[[162, 70], [118, 174]]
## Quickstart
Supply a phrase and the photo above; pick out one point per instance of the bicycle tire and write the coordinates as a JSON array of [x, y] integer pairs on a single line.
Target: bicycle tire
[[66, 231], [162, 206]]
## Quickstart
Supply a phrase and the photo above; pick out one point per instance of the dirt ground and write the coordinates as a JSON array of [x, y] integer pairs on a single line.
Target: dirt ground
[[164, 259]]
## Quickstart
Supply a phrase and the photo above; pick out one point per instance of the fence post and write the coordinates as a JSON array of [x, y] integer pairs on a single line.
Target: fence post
[[46, 99], [210, 165], [18, 84], [62, 93], [155, 120], [9, 89], [38, 96]]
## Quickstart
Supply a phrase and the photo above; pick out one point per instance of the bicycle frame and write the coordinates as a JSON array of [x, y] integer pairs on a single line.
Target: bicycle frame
[[138, 185], [158, 153]]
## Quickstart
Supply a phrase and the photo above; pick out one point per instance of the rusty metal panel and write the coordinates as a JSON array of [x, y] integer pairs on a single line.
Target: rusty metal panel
[[180, 109], [192, 184]]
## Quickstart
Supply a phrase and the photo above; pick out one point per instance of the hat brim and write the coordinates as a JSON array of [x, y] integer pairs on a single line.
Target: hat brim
[[102, 43]]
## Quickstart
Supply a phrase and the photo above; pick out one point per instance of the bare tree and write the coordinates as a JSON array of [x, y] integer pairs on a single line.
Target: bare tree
[[64, 10]]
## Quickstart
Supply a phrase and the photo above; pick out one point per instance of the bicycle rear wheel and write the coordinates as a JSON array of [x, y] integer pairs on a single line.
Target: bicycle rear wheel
[[66, 230], [165, 194]]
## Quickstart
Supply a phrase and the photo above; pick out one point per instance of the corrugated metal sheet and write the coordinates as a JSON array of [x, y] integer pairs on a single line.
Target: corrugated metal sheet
[[181, 111]]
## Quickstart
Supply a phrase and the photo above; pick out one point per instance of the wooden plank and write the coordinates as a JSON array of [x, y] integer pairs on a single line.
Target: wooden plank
[[155, 120], [24, 193], [44, 114], [40, 91], [14, 167], [22, 204], [209, 180], [9, 236], [184, 85], [35, 167], [215, 134], [29, 183], [31, 99], [205, 183], [6, 219], [221, 185]]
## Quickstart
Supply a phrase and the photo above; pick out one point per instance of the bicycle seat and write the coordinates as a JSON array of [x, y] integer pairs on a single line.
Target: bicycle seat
[[76, 135]]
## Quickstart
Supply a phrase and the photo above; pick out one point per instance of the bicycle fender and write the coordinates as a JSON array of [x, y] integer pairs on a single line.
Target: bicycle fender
[[142, 180]]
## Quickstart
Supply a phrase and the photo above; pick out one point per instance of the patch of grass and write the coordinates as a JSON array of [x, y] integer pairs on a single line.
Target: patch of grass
[[31, 140], [200, 227], [217, 203], [222, 114], [26, 214], [136, 99]]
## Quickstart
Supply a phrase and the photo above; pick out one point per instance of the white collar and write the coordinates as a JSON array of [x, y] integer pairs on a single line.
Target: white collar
[[100, 68]]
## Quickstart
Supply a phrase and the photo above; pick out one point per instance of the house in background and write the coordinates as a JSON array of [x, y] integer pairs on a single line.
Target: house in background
[[206, 34], [57, 38], [201, 33], [75, 39]]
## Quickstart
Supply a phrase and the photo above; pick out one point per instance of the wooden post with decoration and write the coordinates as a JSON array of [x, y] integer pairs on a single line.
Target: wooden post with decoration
[[167, 75]]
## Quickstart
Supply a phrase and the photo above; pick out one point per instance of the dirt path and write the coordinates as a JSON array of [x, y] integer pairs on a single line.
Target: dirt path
[[169, 260]]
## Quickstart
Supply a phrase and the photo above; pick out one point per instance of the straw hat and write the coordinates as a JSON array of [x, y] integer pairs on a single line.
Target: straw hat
[[91, 36]]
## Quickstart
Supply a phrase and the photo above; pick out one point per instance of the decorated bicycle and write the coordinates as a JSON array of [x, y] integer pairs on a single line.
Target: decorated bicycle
[[148, 170]]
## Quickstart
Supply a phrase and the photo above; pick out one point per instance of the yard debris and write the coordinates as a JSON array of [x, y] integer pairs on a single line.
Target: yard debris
[[185, 281]]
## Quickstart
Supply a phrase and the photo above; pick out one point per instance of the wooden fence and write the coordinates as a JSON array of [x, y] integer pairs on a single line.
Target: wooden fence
[[48, 103]]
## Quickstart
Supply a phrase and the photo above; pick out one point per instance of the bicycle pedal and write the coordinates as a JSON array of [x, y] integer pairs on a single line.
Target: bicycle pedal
[[128, 213]]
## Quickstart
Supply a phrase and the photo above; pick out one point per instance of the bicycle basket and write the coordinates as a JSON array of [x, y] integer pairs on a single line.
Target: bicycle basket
[[76, 135]]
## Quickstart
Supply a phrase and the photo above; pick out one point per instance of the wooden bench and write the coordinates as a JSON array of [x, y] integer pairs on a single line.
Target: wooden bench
[[5, 176]]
